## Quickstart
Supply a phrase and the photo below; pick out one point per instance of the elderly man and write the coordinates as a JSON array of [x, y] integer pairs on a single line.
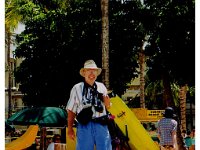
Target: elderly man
[[87, 104]]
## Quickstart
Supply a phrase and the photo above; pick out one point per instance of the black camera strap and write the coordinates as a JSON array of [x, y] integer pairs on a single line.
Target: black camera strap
[[89, 93]]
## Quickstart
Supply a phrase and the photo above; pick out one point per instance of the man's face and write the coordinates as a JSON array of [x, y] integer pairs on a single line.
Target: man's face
[[90, 75]]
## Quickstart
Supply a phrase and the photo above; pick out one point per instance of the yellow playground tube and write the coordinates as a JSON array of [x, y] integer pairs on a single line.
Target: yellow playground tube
[[25, 140], [139, 138]]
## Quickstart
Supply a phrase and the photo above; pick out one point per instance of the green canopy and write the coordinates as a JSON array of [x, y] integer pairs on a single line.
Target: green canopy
[[8, 127], [43, 116]]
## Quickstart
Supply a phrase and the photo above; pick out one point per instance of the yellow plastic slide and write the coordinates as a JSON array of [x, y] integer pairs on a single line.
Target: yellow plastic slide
[[71, 144], [139, 138], [25, 140]]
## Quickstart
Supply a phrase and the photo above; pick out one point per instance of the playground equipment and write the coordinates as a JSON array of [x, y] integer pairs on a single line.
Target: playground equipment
[[145, 115], [128, 120], [25, 140], [139, 138]]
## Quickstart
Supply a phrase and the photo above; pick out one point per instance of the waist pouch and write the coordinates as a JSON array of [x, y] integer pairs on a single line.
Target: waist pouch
[[101, 120], [85, 116]]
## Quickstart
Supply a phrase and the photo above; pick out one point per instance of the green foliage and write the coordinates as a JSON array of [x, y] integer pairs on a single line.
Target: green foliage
[[60, 36], [55, 45], [172, 44], [171, 50], [125, 40]]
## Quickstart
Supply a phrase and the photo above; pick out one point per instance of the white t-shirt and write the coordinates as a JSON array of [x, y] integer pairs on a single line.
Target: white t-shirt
[[51, 146], [75, 103]]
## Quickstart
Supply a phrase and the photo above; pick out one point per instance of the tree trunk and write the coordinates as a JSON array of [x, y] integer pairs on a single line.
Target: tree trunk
[[167, 92], [43, 145], [180, 139], [105, 43], [182, 97], [182, 117], [142, 80], [168, 101], [9, 73]]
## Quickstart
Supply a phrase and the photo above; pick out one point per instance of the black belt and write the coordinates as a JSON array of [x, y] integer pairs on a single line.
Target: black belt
[[102, 120]]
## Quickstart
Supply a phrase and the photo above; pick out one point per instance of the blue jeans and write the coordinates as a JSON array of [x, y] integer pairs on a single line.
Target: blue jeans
[[93, 134]]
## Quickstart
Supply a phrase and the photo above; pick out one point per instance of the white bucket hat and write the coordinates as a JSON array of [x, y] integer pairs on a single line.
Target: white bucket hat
[[90, 64]]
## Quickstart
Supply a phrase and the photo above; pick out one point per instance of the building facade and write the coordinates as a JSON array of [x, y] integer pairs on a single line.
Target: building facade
[[13, 100]]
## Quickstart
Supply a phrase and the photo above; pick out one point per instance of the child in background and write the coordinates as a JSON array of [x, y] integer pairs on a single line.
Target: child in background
[[193, 139], [188, 140]]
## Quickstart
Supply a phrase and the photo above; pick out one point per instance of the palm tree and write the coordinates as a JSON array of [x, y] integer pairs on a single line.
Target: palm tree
[[12, 18], [182, 122], [179, 96], [142, 80], [15, 13], [105, 43], [182, 97]]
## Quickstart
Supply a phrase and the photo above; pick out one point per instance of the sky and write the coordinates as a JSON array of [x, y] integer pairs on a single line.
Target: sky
[[18, 30]]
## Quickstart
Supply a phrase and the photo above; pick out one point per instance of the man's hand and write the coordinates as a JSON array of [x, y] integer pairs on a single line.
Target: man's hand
[[106, 101], [71, 117]]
